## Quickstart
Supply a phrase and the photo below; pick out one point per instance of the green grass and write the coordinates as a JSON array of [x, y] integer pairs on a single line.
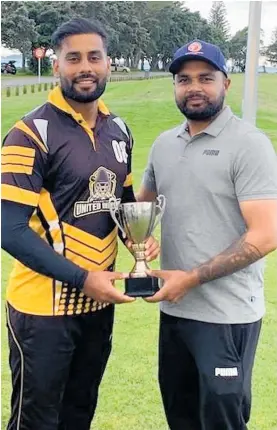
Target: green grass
[[129, 396]]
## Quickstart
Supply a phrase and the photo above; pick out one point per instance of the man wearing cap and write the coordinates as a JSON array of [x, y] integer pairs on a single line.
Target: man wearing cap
[[219, 176]]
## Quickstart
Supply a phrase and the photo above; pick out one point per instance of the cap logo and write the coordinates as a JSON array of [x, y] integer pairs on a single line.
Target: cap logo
[[194, 47]]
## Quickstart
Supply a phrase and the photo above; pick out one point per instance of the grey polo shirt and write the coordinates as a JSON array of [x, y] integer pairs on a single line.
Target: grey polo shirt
[[203, 179]]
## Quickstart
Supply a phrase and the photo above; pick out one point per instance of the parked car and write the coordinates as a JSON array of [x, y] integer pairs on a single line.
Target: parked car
[[117, 68], [8, 68]]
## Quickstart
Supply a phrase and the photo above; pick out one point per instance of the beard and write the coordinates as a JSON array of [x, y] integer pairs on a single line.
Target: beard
[[82, 96], [209, 110]]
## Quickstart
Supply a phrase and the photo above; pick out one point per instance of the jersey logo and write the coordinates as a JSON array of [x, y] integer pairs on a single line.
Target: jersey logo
[[102, 184]]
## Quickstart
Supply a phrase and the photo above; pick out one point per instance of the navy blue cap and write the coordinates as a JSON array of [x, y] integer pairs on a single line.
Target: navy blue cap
[[199, 50]]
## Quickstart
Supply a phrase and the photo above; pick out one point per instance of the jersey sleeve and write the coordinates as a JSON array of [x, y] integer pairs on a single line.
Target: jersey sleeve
[[24, 158], [24, 161]]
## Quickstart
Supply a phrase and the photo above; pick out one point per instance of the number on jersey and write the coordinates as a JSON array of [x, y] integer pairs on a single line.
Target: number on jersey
[[120, 151]]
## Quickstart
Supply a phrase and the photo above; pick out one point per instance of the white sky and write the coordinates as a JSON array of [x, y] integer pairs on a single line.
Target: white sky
[[237, 15]]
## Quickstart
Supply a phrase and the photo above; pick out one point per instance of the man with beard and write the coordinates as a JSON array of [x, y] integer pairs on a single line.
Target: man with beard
[[60, 166], [219, 176]]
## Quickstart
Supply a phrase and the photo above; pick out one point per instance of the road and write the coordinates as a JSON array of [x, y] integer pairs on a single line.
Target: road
[[28, 80]]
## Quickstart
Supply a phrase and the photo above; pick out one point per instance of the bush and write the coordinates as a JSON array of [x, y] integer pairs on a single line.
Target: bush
[[45, 65]]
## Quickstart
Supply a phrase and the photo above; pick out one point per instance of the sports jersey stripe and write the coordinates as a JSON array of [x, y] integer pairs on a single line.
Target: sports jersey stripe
[[42, 128], [94, 265], [20, 125], [89, 265], [87, 238], [19, 195], [85, 247], [18, 159], [18, 150], [36, 225], [93, 256], [50, 214], [128, 181], [51, 217], [16, 168]]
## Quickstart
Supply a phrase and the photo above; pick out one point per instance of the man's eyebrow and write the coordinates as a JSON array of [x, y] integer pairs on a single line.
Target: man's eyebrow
[[204, 74], [72, 53], [182, 75], [95, 51], [201, 75]]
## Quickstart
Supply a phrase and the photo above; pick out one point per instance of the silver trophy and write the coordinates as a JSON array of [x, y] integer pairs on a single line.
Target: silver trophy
[[137, 222]]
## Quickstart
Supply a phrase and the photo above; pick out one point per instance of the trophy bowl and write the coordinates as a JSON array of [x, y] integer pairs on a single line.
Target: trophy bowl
[[137, 221]]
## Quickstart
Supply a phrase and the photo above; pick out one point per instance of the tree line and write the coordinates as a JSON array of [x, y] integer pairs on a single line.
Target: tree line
[[135, 28]]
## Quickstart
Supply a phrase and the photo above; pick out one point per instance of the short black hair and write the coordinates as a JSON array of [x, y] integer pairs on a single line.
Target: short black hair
[[77, 26]]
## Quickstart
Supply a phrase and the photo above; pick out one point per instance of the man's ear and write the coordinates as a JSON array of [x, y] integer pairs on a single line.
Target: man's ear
[[56, 71], [227, 84]]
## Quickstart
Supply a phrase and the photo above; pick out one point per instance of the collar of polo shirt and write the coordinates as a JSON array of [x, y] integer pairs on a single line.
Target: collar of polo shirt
[[214, 128]]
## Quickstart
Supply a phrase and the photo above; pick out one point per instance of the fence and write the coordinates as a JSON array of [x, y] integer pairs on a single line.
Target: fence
[[33, 88]]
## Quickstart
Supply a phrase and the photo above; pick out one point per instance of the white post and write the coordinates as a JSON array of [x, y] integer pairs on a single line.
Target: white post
[[249, 107], [39, 70]]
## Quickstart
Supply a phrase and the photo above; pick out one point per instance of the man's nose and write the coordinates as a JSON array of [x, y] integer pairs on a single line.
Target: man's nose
[[85, 65], [194, 86]]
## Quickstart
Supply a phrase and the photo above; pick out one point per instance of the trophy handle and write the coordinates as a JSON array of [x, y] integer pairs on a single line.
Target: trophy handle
[[161, 201], [113, 211]]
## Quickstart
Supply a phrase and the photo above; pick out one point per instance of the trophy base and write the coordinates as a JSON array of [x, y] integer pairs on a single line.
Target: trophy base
[[141, 287]]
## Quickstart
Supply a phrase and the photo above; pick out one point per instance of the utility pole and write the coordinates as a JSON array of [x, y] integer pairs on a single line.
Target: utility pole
[[250, 97]]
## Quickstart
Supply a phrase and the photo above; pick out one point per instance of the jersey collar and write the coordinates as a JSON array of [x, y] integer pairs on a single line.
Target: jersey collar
[[57, 99]]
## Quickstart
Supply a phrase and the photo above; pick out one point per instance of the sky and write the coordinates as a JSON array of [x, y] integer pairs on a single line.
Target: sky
[[237, 15]]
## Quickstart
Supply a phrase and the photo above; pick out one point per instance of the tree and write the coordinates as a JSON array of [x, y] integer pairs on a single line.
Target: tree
[[135, 28], [220, 26], [238, 49], [271, 50], [48, 16], [18, 30], [172, 26]]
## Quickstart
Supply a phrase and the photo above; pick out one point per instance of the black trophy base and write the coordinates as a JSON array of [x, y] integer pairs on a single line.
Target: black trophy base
[[141, 287]]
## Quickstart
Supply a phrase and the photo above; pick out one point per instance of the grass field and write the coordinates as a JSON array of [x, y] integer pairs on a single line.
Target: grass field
[[129, 396]]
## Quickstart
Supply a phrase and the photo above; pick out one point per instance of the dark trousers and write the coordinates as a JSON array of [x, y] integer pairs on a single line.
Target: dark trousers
[[57, 364], [205, 373]]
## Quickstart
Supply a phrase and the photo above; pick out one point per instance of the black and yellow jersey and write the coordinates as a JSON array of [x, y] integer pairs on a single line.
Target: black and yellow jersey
[[53, 162]]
